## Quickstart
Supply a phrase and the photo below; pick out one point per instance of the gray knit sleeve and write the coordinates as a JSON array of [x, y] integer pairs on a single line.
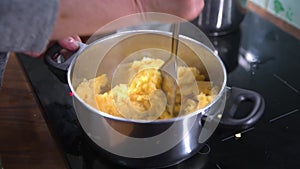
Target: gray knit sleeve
[[26, 25]]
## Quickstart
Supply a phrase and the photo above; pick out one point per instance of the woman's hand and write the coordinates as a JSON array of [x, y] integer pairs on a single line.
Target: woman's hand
[[85, 17]]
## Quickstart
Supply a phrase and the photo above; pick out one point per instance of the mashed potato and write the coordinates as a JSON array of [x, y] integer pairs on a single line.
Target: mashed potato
[[133, 100]]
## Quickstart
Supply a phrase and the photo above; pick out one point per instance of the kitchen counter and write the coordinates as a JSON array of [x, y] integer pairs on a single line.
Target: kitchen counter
[[292, 30], [25, 139]]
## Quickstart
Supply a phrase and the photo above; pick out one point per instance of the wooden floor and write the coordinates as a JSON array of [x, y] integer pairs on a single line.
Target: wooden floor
[[25, 140]]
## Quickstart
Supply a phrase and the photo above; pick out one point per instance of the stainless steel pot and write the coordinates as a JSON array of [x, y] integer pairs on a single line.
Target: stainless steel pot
[[159, 143]]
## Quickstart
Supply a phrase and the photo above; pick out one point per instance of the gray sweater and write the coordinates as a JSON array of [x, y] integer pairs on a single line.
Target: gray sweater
[[25, 25]]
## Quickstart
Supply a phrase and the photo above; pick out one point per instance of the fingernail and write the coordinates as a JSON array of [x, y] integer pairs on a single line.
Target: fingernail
[[70, 40], [73, 44]]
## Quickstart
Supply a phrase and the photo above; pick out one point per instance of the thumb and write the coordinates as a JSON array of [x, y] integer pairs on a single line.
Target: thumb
[[70, 43]]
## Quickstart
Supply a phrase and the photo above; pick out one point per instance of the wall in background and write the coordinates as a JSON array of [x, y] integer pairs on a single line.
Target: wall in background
[[284, 9]]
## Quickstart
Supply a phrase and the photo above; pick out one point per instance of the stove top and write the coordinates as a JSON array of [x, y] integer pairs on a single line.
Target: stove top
[[258, 57]]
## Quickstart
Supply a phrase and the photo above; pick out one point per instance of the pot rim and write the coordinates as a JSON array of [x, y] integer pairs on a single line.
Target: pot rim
[[178, 118]]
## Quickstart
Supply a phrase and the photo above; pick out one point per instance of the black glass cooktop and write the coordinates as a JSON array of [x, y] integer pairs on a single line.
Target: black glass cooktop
[[258, 57]]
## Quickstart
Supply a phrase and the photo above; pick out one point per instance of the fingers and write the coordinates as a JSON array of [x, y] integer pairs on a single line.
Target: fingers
[[33, 54], [77, 38], [70, 43]]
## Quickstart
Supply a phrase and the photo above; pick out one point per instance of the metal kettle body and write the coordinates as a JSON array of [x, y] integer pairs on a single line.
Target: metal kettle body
[[220, 17]]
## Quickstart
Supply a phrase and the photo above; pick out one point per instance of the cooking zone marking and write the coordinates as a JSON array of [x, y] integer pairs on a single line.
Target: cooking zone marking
[[284, 115], [286, 83], [205, 150], [242, 132]]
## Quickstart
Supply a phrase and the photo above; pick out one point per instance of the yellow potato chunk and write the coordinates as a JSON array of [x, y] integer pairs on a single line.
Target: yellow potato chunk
[[133, 99]]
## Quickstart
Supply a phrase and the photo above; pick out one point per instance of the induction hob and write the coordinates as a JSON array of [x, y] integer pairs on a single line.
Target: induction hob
[[258, 57]]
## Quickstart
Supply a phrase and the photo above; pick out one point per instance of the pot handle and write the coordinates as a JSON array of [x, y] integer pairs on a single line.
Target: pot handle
[[57, 63], [235, 98]]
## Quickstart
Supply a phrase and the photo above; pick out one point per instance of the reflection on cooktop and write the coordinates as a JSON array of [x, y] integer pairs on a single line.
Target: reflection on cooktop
[[228, 47]]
